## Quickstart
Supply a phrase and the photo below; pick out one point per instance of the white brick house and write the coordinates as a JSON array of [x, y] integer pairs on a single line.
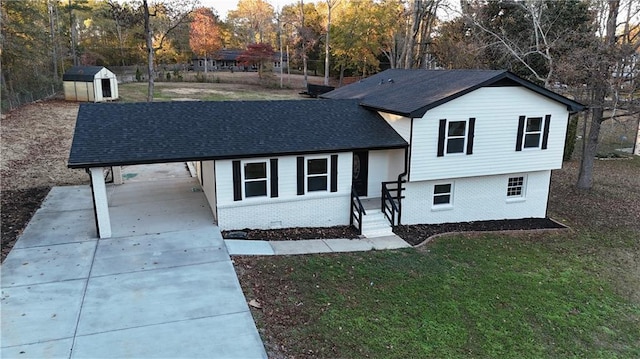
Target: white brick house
[[421, 146]]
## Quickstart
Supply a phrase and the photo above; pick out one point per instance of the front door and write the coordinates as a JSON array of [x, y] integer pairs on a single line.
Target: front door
[[360, 172]]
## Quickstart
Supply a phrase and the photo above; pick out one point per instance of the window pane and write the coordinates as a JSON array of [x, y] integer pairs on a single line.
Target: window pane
[[455, 145], [534, 124], [442, 199], [255, 170], [514, 191], [255, 188], [532, 140], [318, 183], [317, 166], [442, 188], [456, 128]]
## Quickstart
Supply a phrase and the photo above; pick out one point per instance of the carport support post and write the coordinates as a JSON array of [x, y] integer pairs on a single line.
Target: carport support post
[[116, 171], [100, 204]]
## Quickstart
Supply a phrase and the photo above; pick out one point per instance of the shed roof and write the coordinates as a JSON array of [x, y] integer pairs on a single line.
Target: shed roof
[[81, 73], [412, 93], [140, 133]]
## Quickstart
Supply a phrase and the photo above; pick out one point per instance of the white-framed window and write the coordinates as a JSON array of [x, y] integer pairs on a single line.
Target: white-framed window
[[456, 137], [533, 132], [255, 177], [442, 194], [516, 187], [317, 174]]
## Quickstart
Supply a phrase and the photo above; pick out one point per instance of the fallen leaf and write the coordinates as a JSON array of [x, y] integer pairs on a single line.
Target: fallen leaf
[[254, 303]]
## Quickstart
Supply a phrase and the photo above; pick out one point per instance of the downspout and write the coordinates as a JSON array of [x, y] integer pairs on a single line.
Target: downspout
[[401, 181]]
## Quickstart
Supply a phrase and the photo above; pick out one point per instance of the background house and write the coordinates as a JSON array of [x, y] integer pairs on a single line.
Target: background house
[[90, 84], [226, 59]]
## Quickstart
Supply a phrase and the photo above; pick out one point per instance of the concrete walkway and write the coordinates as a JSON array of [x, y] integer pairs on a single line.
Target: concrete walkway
[[164, 286], [310, 246]]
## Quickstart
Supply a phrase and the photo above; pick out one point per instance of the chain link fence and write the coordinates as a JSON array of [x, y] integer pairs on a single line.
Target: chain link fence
[[16, 99]]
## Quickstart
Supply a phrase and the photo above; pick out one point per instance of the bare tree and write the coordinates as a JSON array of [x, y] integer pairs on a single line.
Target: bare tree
[[607, 82], [418, 31], [175, 15], [330, 5]]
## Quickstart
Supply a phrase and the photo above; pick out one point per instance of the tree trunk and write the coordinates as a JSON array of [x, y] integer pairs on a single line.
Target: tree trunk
[[304, 45], [54, 53], [326, 45], [149, 38], [636, 147], [585, 177]]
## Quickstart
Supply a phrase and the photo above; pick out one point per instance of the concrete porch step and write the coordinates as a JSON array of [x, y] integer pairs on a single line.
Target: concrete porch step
[[374, 224]]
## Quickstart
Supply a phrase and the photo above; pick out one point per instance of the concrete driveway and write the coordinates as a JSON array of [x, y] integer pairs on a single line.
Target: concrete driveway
[[163, 287]]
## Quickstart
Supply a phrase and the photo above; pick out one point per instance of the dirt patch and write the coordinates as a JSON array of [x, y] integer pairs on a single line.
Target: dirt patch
[[192, 91], [18, 206], [36, 139]]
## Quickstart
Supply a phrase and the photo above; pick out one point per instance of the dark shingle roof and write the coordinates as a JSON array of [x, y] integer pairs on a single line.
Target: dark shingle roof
[[138, 133], [81, 73], [412, 93]]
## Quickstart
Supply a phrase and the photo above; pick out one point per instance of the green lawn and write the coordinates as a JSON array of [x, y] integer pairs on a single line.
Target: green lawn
[[490, 296]]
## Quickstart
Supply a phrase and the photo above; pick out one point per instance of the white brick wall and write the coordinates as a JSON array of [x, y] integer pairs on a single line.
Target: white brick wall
[[322, 211], [317, 209], [476, 199]]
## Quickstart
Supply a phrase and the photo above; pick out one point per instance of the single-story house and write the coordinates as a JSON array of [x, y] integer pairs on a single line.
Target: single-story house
[[90, 84], [431, 146], [226, 59]]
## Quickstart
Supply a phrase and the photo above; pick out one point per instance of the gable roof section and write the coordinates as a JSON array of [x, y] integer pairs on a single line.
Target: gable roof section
[[141, 133], [81, 73], [412, 93]]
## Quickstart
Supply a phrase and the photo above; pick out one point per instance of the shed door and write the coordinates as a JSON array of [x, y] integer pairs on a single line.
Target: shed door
[[106, 88], [361, 172]]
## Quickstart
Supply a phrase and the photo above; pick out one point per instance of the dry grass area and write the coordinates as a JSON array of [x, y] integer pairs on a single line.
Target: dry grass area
[[36, 139]]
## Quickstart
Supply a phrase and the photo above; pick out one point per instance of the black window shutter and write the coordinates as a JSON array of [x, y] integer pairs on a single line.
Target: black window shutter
[[237, 181], [441, 135], [274, 177], [300, 170], [472, 128], [334, 173], [520, 133], [545, 134]]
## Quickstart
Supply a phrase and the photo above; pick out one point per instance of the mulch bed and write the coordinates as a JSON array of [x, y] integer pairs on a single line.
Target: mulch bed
[[17, 208], [416, 234], [291, 234], [412, 234]]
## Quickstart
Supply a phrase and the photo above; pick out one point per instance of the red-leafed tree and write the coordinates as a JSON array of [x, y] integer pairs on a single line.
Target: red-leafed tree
[[257, 54], [204, 34]]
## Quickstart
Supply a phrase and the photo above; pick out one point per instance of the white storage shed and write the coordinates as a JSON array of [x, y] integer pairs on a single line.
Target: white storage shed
[[90, 84]]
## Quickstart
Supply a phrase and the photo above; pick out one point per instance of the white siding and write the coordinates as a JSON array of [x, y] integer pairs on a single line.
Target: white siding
[[316, 209], [402, 125], [209, 185], [496, 110], [384, 165], [476, 199]]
